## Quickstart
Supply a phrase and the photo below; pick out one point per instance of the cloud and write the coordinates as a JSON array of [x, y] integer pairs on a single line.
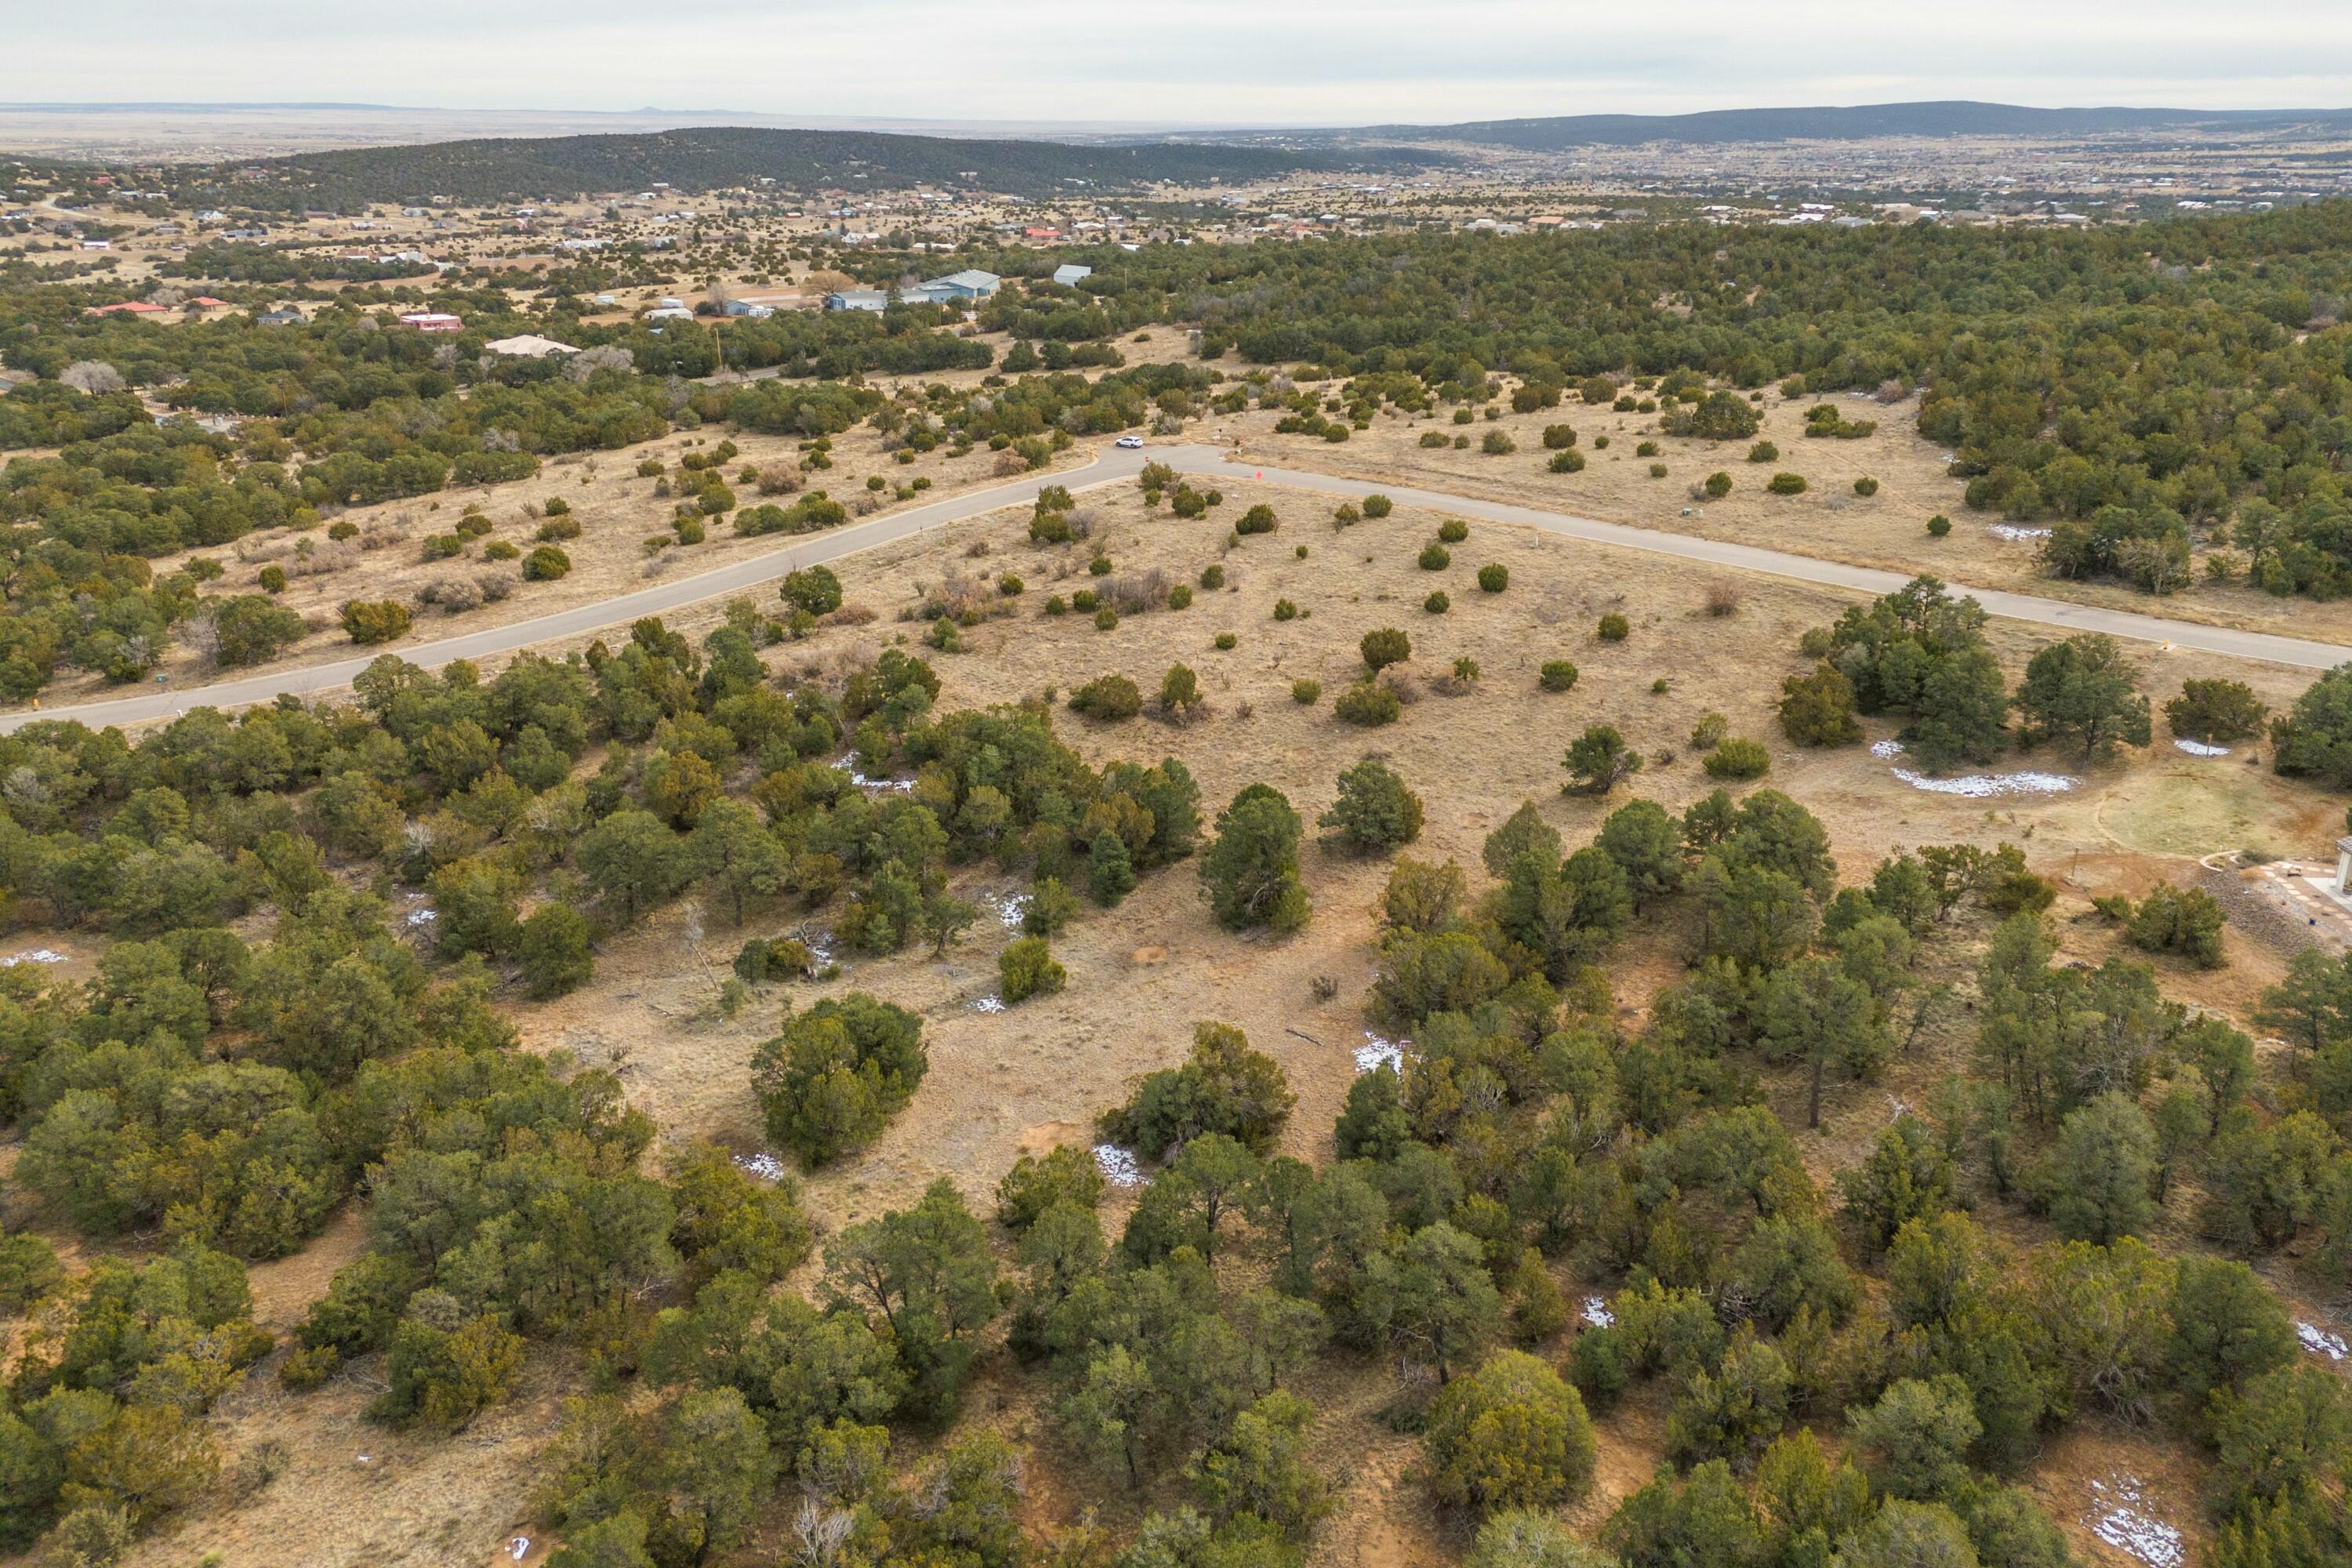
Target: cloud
[[1197, 61]]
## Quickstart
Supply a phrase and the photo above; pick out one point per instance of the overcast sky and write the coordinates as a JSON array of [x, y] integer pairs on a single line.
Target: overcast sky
[[1261, 62]]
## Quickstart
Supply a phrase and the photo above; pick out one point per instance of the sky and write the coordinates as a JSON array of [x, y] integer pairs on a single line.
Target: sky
[[1233, 62]]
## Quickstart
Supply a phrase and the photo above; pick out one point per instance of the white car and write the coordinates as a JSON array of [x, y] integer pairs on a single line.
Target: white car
[[1130, 441]]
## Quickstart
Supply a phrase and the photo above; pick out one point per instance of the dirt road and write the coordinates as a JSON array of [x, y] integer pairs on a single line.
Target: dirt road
[[1115, 465]]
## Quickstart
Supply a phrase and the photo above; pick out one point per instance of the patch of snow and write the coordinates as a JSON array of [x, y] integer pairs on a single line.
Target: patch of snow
[[764, 1166], [417, 920], [1597, 1313], [2120, 1516], [1009, 907], [989, 1004], [1118, 1165], [2199, 748], [1976, 786], [2016, 535], [33, 955], [1377, 1052], [904, 787], [2319, 1341]]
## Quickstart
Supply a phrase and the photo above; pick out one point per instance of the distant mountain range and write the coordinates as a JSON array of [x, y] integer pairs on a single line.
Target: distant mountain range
[[1853, 123], [504, 168]]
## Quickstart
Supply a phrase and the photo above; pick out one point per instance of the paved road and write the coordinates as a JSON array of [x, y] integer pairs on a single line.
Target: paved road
[[1113, 466]]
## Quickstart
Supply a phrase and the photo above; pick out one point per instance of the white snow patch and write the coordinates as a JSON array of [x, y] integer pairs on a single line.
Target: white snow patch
[[1597, 1313], [2014, 534], [1118, 1165], [1976, 786], [989, 1004], [2120, 1516], [1008, 907], [2199, 748], [2319, 1341], [33, 955], [764, 1166], [904, 787], [1377, 1052], [417, 920]]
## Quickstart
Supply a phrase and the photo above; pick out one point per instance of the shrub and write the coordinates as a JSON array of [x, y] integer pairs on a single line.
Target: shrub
[[1493, 577], [836, 1073], [1434, 439], [1109, 698], [1938, 526], [1739, 758], [1375, 811], [1646, 450], [556, 506], [649, 468], [1818, 710], [1179, 597], [1213, 578], [1569, 462], [558, 528], [1084, 601], [1510, 1436], [1556, 675], [1615, 627], [1763, 452], [1306, 693], [555, 951], [1346, 516], [2215, 712], [1435, 558], [1224, 1088], [1865, 486], [1257, 519], [1225, 642], [1497, 444], [273, 579], [1559, 437], [945, 635], [811, 588], [1709, 731], [374, 620], [1787, 485], [1437, 603], [1028, 968], [1106, 619], [1378, 506], [251, 629], [1717, 486], [1383, 646], [1283, 610], [1369, 704], [545, 564], [501, 549], [1452, 531], [1009, 586]]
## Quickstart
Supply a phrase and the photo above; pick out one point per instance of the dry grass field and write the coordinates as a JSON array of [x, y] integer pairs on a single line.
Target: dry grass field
[[1035, 1075], [1887, 529]]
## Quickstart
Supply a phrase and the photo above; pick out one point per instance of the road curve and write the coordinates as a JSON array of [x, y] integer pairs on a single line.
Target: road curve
[[1111, 465]]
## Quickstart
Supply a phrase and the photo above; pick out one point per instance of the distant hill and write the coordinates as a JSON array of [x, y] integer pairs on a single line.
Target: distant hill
[[499, 169], [1854, 123]]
